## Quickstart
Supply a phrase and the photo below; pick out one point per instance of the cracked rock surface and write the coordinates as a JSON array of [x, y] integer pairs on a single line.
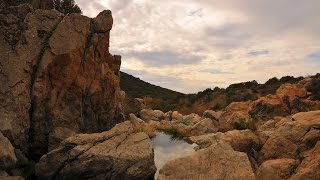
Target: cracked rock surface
[[57, 77], [116, 154]]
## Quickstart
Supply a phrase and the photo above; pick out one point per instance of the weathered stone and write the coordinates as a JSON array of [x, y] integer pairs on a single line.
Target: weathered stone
[[8, 158], [219, 161], [288, 100], [139, 104], [205, 126], [103, 22], [190, 119], [310, 166], [291, 90], [58, 77], [311, 118], [135, 120], [151, 115], [75, 88], [230, 120], [168, 116], [311, 138], [277, 169], [176, 116], [22, 33], [243, 140], [115, 154], [239, 106], [212, 115], [284, 142]]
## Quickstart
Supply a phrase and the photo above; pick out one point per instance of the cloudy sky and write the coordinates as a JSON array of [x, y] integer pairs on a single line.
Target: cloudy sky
[[191, 45]]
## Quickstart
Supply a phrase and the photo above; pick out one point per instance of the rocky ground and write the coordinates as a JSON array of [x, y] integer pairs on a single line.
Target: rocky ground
[[61, 114], [271, 138]]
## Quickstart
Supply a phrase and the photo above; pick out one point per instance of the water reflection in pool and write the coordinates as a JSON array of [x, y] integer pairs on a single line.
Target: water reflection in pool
[[166, 148]]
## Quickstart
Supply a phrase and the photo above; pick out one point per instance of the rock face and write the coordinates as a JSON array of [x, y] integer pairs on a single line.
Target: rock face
[[280, 169], [283, 142], [115, 154], [212, 115], [8, 158], [219, 161], [289, 99], [58, 77], [310, 166], [311, 118]]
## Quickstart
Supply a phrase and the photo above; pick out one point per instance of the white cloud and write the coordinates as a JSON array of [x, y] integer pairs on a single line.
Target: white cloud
[[224, 34]]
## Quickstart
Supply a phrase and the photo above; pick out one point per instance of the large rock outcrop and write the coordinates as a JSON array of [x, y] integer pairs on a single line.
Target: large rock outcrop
[[289, 99], [116, 154], [57, 77]]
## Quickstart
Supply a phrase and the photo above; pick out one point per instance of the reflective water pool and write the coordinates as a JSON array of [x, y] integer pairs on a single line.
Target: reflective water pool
[[166, 148]]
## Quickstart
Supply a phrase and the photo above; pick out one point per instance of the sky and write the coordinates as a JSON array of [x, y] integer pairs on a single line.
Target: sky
[[191, 45]]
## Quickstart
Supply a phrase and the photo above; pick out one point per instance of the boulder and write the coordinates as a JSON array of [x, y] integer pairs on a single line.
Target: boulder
[[139, 104], [176, 116], [212, 115], [168, 116], [231, 120], [135, 120], [268, 107], [103, 22], [205, 126], [190, 119], [8, 158], [284, 142], [291, 90], [289, 99], [311, 118], [151, 115], [116, 154], [311, 138], [310, 166], [277, 169], [239, 106], [219, 161]]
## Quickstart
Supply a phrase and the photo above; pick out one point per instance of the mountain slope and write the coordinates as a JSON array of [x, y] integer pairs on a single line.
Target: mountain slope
[[137, 88]]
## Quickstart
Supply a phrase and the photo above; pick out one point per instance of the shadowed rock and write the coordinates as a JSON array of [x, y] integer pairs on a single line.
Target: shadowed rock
[[115, 154]]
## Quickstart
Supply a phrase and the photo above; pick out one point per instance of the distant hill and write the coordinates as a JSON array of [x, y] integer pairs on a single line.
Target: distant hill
[[156, 97], [215, 99], [137, 88]]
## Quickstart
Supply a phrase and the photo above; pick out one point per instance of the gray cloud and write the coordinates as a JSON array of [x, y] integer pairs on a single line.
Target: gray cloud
[[258, 52], [215, 71], [315, 56], [163, 58]]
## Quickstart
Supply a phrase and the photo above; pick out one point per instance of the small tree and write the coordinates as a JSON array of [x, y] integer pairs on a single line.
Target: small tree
[[66, 6]]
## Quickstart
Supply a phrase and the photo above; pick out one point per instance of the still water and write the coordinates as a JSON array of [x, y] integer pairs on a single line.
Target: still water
[[167, 148]]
